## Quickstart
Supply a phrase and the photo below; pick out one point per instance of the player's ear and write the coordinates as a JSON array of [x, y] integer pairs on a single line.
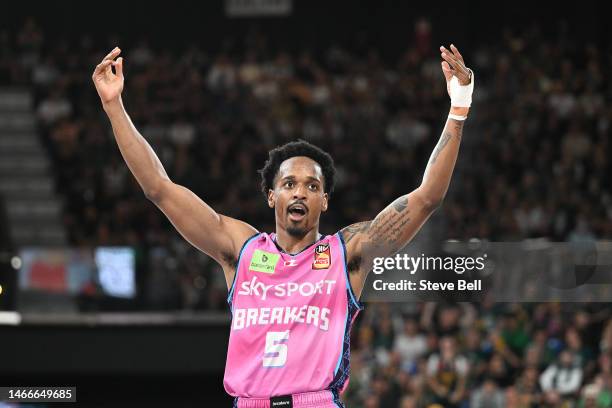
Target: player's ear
[[325, 202], [271, 198]]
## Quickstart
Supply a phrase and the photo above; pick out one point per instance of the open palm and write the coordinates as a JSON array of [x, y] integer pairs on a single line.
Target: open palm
[[108, 84]]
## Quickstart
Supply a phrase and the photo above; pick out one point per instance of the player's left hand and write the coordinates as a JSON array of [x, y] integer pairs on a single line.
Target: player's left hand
[[453, 65], [459, 81]]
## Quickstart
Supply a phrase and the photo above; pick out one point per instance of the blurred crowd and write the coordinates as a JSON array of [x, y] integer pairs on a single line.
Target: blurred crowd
[[533, 164], [489, 355]]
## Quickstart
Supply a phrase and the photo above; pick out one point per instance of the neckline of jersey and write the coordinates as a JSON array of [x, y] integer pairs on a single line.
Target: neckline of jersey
[[273, 236]]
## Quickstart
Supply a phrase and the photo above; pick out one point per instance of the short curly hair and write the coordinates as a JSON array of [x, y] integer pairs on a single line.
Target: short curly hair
[[292, 149]]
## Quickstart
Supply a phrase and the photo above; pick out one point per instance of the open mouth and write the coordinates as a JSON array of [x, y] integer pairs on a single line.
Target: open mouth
[[297, 212]]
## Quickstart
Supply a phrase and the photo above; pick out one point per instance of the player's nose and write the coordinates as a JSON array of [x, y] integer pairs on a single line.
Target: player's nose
[[299, 193]]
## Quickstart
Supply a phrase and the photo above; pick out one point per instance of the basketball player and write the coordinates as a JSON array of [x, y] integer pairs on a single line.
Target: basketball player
[[293, 294]]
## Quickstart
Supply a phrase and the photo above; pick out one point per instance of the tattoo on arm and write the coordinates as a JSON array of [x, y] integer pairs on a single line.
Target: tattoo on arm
[[386, 229], [388, 232], [400, 204], [454, 129], [354, 229], [440, 146]]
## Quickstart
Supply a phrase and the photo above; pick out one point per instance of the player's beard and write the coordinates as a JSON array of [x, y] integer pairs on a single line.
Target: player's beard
[[297, 232]]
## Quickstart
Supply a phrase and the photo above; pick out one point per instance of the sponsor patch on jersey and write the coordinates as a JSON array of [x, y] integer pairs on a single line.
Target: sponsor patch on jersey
[[322, 257], [263, 261]]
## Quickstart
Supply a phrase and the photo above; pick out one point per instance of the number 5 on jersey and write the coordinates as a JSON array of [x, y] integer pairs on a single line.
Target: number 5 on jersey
[[275, 354]]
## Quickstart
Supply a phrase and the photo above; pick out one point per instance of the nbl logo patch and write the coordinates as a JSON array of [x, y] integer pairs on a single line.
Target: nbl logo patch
[[322, 257]]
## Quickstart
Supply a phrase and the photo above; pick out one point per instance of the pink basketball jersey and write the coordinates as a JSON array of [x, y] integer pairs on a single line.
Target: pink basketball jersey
[[291, 319]]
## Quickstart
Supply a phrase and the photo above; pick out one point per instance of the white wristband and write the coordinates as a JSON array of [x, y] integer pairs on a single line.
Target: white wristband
[[461, 95], [456, 117]]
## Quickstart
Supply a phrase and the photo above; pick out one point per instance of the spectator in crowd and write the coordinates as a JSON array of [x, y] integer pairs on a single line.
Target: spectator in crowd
[[447, 374], [561, 380], [410, 344], [527, 388], [489, 395]]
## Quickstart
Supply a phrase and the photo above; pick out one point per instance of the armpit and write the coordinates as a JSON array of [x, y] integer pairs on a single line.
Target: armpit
[[229, 259], [354, 264]]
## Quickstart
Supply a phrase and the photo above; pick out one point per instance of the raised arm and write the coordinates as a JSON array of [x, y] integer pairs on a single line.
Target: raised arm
[[219, 236], [397, 224]]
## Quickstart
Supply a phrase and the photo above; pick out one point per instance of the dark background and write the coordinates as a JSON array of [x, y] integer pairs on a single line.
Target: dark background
[[386, 24]]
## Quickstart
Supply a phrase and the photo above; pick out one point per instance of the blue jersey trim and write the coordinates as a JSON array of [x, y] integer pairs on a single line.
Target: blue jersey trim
[[342, 347], [342, 370], [356, 302], [231, 291]]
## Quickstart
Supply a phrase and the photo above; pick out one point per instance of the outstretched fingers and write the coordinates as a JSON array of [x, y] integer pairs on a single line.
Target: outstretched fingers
[[113, 54], [447, 71], [455, 61], [118, 67], [102, 67], [449, 57], [457, 54]]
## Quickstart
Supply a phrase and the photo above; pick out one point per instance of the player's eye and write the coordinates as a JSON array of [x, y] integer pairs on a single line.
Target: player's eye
[[289, 184], [313, 187]]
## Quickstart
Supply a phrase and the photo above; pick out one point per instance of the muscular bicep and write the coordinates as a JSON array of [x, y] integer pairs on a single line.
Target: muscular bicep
[[385, 235], [219, 236]]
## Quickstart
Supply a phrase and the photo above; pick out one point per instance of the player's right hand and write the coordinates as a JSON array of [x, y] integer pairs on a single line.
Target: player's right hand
[[108, 84]]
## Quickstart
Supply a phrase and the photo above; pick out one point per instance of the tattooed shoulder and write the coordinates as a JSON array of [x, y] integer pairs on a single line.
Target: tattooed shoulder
[[401, 203], [348, 233]]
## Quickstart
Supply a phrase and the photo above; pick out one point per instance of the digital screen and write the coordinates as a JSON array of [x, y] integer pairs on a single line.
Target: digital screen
[[66, 273], [116, 271], [60, 270]]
